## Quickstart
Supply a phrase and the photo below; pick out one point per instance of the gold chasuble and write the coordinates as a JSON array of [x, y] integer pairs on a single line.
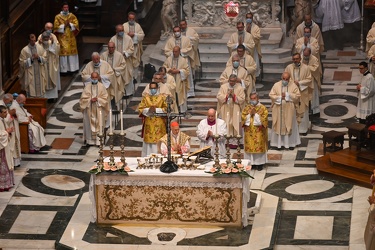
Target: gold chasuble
[[153, 127], [68, 43], [256, 137]]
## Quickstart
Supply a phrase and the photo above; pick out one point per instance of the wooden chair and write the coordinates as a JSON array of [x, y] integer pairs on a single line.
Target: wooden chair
[[37, 107]]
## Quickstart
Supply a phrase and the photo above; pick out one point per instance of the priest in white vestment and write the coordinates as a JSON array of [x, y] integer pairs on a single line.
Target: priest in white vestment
[[231, 99], [33, 68], [300, 74], [315, 31], [284, 96], [178, 67], [208, 128], [307, 41], [12, 121], [118, 65], [106, 76], [254, 30], [124, 45], [186, 51], [135, 31], [243, 78], [6, 161], [241, 37], [37, 139], [194, 40], [366, 92], [52, 65], [95, 108], [316, 76]]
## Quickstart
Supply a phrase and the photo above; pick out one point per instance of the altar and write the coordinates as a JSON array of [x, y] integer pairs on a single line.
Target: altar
[[182, 197]]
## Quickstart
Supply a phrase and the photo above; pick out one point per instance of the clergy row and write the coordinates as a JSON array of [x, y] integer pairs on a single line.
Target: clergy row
[[12, 113], [54, 51]]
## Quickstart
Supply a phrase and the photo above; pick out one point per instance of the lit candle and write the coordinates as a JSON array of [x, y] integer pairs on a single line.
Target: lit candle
[[238, 117], [216, 123], [110, 121], [122, 123], [100, 123], [228, 123]]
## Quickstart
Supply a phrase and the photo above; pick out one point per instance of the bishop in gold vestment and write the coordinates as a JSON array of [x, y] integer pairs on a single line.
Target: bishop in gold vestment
[[153, 127], [66, 27], [255, 123]]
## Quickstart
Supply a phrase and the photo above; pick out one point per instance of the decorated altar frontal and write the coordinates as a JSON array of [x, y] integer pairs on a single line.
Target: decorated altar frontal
[[183, 197]]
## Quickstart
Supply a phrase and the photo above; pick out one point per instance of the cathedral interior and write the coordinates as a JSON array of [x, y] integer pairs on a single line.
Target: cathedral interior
[[292, 204]]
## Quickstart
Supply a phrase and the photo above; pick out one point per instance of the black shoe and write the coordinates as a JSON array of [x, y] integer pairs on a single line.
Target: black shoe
[[45, 148], [135, 81], [291, 148], [303, 134], [259, 167]]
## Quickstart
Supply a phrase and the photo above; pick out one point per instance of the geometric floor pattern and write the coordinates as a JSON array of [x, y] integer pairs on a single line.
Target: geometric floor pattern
[[50, 207]]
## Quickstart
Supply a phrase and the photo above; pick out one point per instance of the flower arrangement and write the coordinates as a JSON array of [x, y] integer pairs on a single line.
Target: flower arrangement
[[231, 169], [108, 167]]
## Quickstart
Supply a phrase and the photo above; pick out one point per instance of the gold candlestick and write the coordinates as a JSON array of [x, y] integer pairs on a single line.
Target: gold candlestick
[[100, 158], [111, 151], [228, 148], [217, 162], [122, 146], [238, 137]]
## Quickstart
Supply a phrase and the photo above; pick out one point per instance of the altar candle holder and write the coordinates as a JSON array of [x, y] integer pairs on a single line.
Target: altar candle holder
[[238, 137], [217, 162], [228, 137], [111, 151], [185, 160], [101, 158], [122, 146]]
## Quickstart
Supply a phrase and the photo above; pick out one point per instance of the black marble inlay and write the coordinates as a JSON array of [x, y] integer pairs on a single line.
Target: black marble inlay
[[288, 219], [55, 230], [236, 237], [97, 234], [304, 165], [336, 110], [33, 181], [166, 236], [300, 155], [278, 188]]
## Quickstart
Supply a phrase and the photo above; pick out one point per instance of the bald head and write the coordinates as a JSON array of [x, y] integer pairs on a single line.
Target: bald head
[[21, 99], [111, 47], [285, 76], [211, 115], [176, 51]]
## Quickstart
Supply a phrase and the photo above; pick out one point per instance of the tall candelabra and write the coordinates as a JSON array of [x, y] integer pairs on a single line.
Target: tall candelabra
[[228, 137], [122, 146], [217, 162], [238, 137], [111, 151], [100, 158]]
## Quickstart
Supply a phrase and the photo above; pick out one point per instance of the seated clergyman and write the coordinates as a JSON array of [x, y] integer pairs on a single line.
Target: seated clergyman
[[180, 142]]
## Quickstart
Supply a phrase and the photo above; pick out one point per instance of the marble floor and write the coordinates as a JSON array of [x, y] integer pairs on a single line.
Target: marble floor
[[49, 207]]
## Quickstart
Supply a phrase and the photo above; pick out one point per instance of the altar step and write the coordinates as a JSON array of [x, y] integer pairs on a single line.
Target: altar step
[[214, 52], [348, 165]]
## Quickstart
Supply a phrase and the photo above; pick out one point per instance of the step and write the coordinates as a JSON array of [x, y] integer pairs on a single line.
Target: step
[[367, 157], [324, 167], [347, 159]]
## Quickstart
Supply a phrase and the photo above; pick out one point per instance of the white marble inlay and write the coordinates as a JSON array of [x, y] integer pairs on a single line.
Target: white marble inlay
[[32, 222], [309, 187], [314, 228], [62, 182]]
